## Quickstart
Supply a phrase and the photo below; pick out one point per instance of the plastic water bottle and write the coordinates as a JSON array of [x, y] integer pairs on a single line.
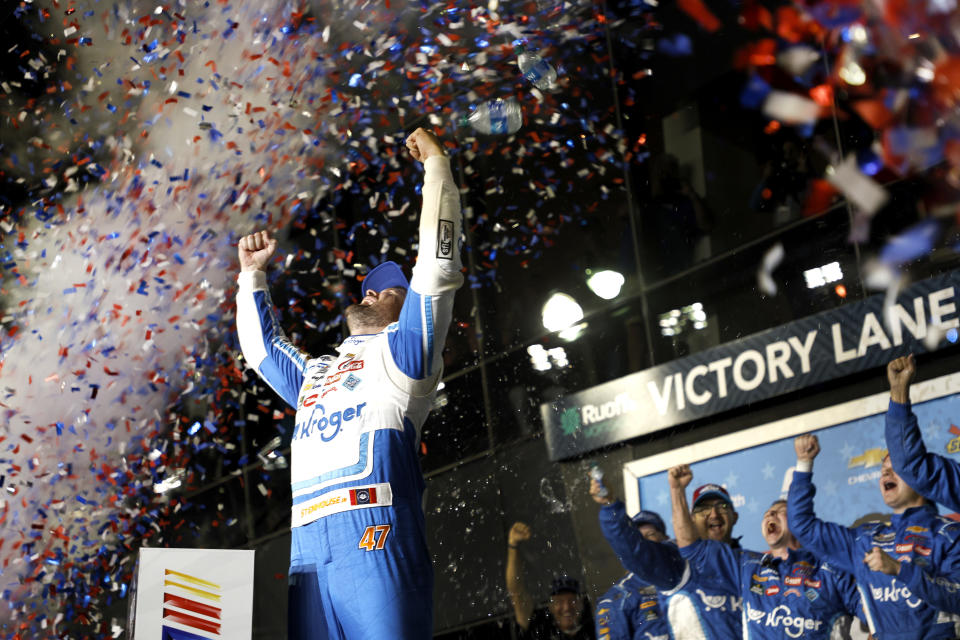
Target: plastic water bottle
[[496, 116], [596, 473], [535, 69]]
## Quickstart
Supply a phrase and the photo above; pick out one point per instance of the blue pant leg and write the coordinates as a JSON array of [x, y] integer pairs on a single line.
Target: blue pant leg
[[306, 619], [385, 591], [310, 614]]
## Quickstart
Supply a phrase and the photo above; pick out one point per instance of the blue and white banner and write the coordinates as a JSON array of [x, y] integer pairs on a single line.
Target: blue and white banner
[[826, 346]]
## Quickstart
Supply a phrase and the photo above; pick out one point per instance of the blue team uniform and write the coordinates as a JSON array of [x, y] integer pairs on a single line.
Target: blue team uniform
[[923, 601], [693, 611], [796, 597], [359, 565], [630, 610], [931, 475]]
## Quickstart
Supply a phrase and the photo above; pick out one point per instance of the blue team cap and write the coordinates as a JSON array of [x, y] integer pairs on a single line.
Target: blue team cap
[[651, 518], [384, 276], [564, 584]]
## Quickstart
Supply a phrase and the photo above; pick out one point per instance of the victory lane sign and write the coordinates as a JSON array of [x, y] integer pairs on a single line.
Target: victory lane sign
[[799, 354]]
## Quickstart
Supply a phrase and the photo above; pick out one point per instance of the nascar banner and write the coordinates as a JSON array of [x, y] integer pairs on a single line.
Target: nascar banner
[[193, 594], [822, 347]]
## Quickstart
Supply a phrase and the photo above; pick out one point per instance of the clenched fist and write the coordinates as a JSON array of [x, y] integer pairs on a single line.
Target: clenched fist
[[680, 476], [423, 144], [879, 560], [807, 447], [519, 532], [255, 251], [900, 373]]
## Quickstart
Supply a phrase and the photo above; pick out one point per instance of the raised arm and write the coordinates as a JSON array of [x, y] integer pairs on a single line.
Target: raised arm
[[679, 478], [416, 341], [265, 347], [929, 474], [656, 563], [830, 541], [519, 596]]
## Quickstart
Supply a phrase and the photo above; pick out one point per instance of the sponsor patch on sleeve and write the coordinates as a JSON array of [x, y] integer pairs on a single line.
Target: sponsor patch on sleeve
[[445, 240]]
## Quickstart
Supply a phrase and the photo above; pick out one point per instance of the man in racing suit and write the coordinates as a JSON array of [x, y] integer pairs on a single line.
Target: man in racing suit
[[931, 475], [630, 609], [359, 565], [786, 591], [693, 611], [907, 572]]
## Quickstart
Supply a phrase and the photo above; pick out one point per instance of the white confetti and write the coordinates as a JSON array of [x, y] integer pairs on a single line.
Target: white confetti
[[771, 260], [790, 108]]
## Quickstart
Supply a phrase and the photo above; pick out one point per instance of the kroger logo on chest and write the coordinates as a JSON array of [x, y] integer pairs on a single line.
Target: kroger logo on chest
[[314, 420]]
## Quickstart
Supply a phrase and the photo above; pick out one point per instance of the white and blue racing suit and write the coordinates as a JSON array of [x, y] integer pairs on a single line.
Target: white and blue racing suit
[[923, 600], [694, 611], [799, 597], [630, 610], [359, 566], [932, 476]]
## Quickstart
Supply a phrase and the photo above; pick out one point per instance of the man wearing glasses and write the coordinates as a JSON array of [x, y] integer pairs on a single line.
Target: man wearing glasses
[[694, 611], [712, 513], [786, 591]]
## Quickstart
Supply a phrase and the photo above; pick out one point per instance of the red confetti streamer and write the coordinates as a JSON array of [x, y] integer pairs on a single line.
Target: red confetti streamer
[[697, 10]]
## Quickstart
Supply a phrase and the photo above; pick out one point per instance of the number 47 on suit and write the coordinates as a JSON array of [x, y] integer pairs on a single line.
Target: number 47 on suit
[[374, 537]]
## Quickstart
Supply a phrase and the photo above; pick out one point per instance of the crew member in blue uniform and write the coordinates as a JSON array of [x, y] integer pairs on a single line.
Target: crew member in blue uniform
[[786, 591], [359, 565], [693, 611], [630, 609], [907, 572], [931, 475]]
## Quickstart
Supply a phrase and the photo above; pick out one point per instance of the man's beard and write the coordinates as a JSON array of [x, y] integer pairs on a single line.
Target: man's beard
[[367, 317]]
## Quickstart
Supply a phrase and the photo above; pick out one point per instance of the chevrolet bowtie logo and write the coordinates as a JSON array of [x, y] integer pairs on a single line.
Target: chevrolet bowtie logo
[[954, 445], [870, 458]]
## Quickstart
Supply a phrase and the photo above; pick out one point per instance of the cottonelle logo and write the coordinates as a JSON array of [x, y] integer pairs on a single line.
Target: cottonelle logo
[[192, 604]]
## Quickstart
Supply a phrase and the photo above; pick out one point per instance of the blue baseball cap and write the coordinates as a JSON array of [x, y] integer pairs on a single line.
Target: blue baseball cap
[[384, 276], [564, 584], [651, 518]]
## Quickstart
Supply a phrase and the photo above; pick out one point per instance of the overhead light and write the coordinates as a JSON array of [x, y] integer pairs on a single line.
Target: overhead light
[[820, 276], [545, 359], [606, 284], [539, 357], [676, 321], [560, 312], [559, 357], [572, 333]]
